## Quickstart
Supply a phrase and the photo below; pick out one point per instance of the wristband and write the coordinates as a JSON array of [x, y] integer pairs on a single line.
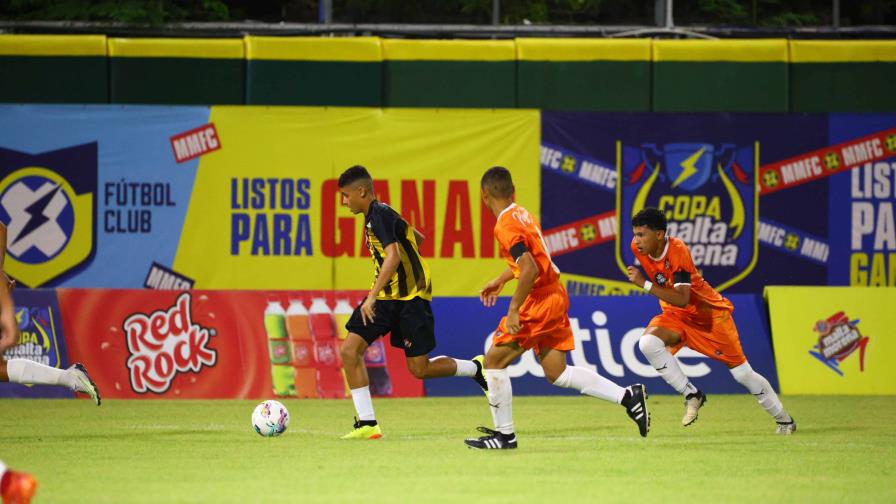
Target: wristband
[[648, 285]]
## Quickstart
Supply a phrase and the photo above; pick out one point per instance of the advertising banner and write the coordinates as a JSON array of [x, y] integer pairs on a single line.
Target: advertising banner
[[833, 340], [795, 199], [41, 339], [246, 197], [607, 331], [220, 344]]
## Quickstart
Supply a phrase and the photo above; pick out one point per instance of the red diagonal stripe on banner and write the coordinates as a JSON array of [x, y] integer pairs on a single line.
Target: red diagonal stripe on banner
[[580, 234], [827, 161]]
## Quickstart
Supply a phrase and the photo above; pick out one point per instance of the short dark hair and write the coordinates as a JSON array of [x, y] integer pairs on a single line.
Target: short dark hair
[[354, 174], [498, 182], [650, 217]]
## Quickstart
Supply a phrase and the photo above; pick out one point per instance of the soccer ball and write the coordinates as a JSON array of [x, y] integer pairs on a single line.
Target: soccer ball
[[270, 418]]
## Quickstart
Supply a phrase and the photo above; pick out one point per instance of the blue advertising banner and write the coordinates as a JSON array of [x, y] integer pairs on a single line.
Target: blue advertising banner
[[826, 185], [41, 340], [607, 332]]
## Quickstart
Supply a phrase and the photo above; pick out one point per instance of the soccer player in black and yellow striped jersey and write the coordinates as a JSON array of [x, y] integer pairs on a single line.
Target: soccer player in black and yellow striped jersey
[[398, 302]]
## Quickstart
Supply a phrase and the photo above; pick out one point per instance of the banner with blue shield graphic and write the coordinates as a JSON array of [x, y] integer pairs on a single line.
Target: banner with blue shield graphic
[[41, 340]]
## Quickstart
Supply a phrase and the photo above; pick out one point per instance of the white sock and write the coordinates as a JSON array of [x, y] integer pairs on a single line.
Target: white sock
[[500, 398], [363, 404], [590, 383], [465, 368], [30, 372], [665, 363], [762, 389], [2, 469]]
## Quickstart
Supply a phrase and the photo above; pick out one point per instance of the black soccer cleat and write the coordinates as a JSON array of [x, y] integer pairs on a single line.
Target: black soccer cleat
[[635, 404], [493, 441], [85, 384], [479, 377]]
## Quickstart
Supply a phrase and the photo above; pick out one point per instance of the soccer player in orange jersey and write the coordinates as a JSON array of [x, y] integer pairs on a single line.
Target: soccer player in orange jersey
[[537, 319], [693, 315], [16, 487], [24, 370]]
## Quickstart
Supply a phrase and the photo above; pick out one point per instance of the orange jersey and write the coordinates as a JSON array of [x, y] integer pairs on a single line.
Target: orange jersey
[[515, 229], [675, 267]]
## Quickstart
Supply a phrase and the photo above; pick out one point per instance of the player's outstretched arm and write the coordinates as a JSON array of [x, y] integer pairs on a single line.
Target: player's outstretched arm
[[528, 274], [489, 294], [676, 296]]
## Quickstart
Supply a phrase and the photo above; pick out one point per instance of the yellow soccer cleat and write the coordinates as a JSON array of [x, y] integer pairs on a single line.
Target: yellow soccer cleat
[[479, 377], [364, 431]]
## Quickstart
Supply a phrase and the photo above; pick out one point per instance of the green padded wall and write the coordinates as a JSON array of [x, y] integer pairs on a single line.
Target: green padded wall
[[177, 71], [53, 69], [720, 76], [584, 74]]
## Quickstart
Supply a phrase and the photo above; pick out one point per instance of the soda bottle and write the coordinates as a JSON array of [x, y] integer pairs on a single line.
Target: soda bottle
[[297, 326], [341, 313], [279, 349], [330, 381]]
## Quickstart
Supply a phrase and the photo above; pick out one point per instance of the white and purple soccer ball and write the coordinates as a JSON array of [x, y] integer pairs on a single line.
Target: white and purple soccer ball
[[270, 418]]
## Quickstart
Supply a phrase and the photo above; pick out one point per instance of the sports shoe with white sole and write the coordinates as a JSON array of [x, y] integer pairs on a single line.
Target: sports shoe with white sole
[[84, 383], [786, 428], [635, 404], [692, 403], [493, 440]]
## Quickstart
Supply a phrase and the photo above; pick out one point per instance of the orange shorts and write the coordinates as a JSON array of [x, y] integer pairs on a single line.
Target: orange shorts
[[544, 321], [713, 334]]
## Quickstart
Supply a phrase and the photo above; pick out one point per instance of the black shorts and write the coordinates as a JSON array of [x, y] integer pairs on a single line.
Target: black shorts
[[410, 322]]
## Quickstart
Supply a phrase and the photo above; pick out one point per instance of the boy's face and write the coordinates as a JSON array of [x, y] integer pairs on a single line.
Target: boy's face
[[648, 240], [353, 196]]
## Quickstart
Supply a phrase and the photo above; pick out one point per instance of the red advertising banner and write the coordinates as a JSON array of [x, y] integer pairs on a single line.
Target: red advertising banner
[[220, 344]]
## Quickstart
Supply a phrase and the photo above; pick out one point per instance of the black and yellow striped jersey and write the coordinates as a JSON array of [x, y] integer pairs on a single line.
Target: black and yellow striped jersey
[[382, 227]]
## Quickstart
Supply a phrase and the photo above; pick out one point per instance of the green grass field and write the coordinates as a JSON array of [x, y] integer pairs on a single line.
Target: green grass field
[[571, 449]]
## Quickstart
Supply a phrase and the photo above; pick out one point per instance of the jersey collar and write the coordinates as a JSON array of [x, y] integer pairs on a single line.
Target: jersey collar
[[509, 207], [665, 249]]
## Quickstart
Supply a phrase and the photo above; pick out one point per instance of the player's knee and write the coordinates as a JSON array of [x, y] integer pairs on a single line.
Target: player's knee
[[349, 353], [650, 344], [418, 369]]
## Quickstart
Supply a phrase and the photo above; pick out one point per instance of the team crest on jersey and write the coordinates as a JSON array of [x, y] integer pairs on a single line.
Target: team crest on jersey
[[660, 279], [708, 192], [46, 202]]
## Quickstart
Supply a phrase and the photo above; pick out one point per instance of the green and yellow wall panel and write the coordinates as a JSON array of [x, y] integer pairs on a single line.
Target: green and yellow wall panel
[[843, 76], [177, 71], [720, 75], [53, 69], [344, 71], [449, 73], [584, 74]]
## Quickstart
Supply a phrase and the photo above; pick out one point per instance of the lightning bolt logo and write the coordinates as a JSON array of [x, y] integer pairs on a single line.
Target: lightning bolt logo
[[688, 168], [36, 210]]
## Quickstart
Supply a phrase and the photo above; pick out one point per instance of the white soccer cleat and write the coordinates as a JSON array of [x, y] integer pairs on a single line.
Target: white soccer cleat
[[786, 428], [83, 383], [692, 404]]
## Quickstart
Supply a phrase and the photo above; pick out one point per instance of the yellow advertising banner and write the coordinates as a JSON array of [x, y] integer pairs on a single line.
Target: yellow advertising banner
[[265, 211], [833, 340]]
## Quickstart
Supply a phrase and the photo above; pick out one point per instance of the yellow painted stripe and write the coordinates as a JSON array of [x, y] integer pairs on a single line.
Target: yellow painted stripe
[[176, 48], [314, 48], [554, 49], [449, 50], [831, 51], [53, 45], [762, 50]]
